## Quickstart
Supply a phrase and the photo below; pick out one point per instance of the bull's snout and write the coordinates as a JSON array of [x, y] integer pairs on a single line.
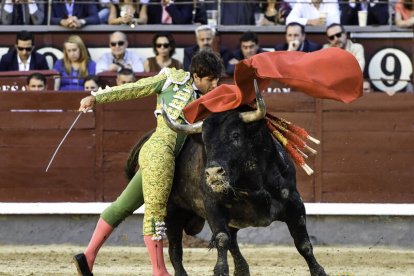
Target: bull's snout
[[216, 179], [214, 171]]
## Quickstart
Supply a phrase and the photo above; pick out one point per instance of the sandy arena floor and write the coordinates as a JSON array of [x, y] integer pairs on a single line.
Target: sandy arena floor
[[264, 261]]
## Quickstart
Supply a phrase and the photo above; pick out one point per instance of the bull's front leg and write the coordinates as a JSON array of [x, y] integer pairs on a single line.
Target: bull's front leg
[[221, 237], [296, 222], [241, 268]]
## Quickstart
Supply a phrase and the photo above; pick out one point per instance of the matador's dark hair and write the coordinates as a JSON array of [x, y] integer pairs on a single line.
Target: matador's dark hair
[[206, 63]]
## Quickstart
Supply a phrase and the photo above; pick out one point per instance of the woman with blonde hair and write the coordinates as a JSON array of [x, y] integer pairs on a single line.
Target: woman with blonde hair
[[75, 66]]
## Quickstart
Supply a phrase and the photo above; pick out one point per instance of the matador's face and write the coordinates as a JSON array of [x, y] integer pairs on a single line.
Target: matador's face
[[205, 84]]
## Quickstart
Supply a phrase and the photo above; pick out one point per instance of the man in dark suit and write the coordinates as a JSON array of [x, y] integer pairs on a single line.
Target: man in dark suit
[[205, 41], [22, 57], [239, 12], [22, 12], [249, 46], [74, 14], [378, 13], [296, 40], [174, 12]]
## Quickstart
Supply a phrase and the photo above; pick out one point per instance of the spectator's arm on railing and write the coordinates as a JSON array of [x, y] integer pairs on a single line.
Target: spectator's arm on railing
[[92, 18], [37, 12], [400, 22], [7, 12]]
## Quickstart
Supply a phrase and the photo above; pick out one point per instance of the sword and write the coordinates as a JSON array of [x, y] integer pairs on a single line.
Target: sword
[[61, 142]]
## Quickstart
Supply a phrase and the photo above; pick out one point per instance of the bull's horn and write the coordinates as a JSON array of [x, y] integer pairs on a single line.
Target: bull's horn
[[259, 113], [184, 128]]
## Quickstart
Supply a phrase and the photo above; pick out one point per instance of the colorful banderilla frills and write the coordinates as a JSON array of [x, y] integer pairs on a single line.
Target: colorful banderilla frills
[[292, 138]]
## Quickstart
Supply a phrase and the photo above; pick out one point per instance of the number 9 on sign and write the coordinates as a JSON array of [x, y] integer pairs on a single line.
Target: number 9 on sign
[[390, 69]]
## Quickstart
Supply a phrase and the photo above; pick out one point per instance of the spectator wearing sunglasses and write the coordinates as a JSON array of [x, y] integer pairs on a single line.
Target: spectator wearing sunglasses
[[22, 56], [163, 45], [119, 57], [338, 37], [22, 12]]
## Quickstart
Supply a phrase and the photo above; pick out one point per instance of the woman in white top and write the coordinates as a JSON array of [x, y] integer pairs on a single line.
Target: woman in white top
[[128, 12]]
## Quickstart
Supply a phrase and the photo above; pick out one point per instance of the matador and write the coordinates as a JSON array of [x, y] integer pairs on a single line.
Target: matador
[[176, 88]]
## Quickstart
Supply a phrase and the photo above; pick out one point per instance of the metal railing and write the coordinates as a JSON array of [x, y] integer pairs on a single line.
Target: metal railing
[[216, 6]]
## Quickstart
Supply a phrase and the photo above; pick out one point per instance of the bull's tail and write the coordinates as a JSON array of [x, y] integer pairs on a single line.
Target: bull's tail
[[132, 163]]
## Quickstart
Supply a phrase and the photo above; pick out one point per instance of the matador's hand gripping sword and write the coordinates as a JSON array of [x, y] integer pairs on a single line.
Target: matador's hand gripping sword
[[64, 137]]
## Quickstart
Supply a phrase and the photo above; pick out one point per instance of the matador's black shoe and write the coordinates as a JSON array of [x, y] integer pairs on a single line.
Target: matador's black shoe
[[82, 265]]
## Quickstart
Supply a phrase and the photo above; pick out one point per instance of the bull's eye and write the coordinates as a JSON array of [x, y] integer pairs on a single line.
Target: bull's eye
[[235, 136]]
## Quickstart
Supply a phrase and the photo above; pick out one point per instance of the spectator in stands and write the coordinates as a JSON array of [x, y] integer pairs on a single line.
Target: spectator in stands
[[92, 83], [125, 76], [175, 12], [296, 40], [22, 56], [103, 10], [404, 14], [127, 12], [275, 12], [249, 46], [36, 82], [163, 45], [74, 15], [119, 57], [75, 66], [410, 88], [205, 41], [315, 12], [366, 87], [238, 13], [338, 37], [377, 11], [22, 12]]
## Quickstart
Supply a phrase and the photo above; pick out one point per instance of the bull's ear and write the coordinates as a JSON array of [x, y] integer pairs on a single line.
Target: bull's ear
[[183, 128], [260, 112]]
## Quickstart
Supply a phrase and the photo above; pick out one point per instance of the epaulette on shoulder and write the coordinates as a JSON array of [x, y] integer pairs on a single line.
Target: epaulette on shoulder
[[176, 76]]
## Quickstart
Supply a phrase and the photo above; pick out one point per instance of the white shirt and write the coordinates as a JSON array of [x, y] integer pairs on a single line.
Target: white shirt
[[24, 66], [130, 58], [8, 7], [304, 10], [356, 49]]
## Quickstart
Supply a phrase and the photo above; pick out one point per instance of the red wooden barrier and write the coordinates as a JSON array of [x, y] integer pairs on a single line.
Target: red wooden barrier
[[366, 155]]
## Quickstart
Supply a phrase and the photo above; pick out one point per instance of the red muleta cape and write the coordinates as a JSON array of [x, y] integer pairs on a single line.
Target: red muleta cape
[[330, 73]]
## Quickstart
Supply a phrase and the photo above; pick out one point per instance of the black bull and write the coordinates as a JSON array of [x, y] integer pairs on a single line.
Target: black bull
[[233, 175]]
